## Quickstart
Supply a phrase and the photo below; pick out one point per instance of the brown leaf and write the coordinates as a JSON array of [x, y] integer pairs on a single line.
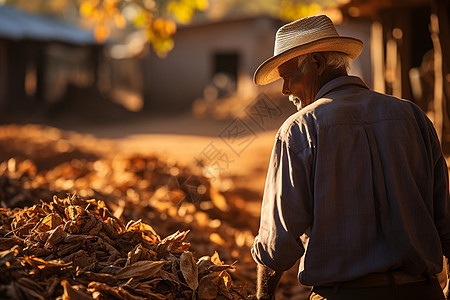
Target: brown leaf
[[76, 238], [73, 211], [221, 267], [216, 268], [8, 255], [128, 296], [73, 294], [80, 259], [134, 255], [50, 222], [226, 278], [149, 295], [96, 229], [48, 265], [8, 243], [52, 283], [56, 235], [101, 277], [104, 290], [141, 270], [170, 277], [72, 227], [203, 264], [189, 269], [208, 286], [30, 284], [174, 243], [65, 249], [27, 293], [216, 259], [89, 223]]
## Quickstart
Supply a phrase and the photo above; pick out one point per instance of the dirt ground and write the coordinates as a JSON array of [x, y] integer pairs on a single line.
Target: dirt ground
[[187, 139]]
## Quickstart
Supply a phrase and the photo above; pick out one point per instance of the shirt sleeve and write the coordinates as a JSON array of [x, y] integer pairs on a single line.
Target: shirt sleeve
[[287, 207]]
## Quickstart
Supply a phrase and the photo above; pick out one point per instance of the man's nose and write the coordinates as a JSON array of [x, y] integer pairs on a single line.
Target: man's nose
[[285, 90]]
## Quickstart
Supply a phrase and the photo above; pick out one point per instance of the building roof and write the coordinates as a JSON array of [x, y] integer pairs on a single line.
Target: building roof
[[19, 25], [373, 8]]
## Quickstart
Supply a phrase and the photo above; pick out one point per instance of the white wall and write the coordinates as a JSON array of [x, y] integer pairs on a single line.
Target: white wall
[[179, 79]]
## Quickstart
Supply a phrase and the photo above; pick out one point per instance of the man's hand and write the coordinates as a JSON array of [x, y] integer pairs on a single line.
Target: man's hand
[[267, 282]]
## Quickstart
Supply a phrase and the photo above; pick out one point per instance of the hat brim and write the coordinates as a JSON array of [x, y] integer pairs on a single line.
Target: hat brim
[[267, 72]]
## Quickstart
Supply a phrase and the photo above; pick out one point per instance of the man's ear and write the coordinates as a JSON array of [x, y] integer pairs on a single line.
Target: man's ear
[[319, 61]]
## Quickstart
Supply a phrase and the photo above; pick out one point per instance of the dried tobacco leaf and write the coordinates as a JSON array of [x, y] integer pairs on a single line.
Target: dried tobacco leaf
[[73, 211], [189, 269], [104, 290], [226, 278], [203, 264], [101, 277], [173, 244], [51, 265], [170, 277], [216, 268], [101, 248], [30, 284], [50, 222], [208, 287], [219, 265], [145, 292], [24, 292], [8, 243], [139, 252], [72, 293], [7, 256], [56, 235], [65, 249], [141, 270], [52, 283], [89, 223]]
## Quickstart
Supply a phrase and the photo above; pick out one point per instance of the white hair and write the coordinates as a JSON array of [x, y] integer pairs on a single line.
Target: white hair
[[335, 60]]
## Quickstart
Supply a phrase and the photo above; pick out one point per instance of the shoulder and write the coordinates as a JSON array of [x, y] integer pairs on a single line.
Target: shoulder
[[299, 131]]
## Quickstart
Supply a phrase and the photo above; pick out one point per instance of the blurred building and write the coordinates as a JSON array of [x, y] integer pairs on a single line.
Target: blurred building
[[216, 60], [208, 61], [40, 57], [410, 52]]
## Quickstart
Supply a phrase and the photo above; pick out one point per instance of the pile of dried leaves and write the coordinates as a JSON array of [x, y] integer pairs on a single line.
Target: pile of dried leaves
[[38, 163], [72, 248]]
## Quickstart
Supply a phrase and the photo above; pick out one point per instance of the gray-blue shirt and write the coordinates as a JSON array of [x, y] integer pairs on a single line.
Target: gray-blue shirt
[[363, 174]]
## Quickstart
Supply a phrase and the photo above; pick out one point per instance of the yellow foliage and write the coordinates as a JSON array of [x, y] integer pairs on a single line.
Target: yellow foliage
[[291, 11], [183, 13], [183, 10], [164, 27], [119, 20], [101, 32], [159, 28], [202, 4], [87, 8], [100, 13]]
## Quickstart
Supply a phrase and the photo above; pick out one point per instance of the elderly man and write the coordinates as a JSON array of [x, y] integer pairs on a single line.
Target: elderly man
[[361, 173]]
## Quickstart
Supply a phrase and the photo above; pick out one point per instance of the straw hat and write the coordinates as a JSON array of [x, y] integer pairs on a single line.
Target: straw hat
[[307, 35]]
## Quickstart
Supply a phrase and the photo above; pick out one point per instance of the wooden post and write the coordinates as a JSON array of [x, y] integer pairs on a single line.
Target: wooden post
[[377, 50], [438, 78]]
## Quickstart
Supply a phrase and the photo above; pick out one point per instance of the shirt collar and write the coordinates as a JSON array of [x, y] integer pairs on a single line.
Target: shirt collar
[[338, 82]]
